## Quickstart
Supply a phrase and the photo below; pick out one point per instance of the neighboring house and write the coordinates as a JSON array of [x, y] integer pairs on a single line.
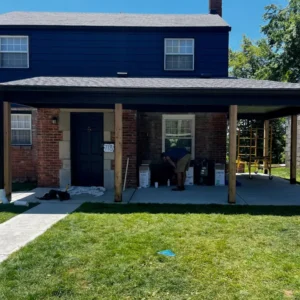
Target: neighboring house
[[147, 82]]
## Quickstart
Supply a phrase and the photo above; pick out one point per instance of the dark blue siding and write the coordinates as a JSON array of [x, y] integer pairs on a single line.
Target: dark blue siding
[[64, 52]]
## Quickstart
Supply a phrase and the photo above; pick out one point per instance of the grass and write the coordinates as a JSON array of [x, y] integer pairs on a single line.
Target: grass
[[22, 187], [282, 172], [9, 211], [110, 252]]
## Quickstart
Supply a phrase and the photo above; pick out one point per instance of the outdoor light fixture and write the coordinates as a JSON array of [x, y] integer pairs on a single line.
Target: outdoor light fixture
[[122, 74], [54, 120]]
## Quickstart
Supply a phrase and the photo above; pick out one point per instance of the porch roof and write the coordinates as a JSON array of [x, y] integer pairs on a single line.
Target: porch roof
[[99, 83], [255, 98]]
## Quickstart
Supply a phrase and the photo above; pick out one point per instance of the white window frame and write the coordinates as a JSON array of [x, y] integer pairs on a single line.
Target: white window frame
[[178, 117], [30, 144], [165, 54], [15, 36]]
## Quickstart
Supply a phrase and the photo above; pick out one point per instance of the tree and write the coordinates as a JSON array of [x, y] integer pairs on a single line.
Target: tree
[[274, 57], [282, 33], [252, 61]]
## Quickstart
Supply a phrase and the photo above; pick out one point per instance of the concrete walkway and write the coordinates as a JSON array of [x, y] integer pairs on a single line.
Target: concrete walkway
[[20, 230]]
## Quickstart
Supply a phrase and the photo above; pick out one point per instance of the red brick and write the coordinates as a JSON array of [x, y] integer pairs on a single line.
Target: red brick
[[48, 137]]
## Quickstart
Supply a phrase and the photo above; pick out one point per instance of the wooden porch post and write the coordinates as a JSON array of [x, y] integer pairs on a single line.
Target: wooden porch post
[[1, 145], [293, 169], [266, 144], [232, 154], [118, 151]]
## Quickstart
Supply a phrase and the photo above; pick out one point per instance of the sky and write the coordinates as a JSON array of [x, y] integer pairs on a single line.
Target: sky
[[244, 16]]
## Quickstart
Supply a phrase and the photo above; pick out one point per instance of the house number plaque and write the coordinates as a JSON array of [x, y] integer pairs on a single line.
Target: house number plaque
[[109, 148]]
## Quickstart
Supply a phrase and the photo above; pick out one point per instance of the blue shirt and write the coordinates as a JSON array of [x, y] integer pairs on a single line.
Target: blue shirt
[[176, 153]]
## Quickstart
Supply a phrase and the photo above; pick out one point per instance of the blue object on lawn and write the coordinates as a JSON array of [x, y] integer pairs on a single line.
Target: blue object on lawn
[[167, 253], [237, 183]]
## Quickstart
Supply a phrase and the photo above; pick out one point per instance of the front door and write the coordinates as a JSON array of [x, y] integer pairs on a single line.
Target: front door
[[87, 149]]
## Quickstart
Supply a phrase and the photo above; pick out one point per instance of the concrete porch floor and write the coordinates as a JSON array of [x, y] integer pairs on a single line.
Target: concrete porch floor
[[258, 191], [108, 197]]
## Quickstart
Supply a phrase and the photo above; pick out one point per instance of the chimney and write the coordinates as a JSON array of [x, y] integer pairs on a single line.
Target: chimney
[[215, 7]]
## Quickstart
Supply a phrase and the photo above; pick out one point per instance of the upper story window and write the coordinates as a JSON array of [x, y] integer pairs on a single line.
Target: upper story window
[[21, 129], [14, 52], [179, 54]]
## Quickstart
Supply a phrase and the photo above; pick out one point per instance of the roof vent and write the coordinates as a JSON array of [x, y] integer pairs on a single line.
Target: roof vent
[[122, 74]]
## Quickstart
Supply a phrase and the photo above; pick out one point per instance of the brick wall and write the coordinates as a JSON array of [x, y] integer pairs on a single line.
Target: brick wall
[[48, 137], [150, 136], [210, 136], [24, 157], [42, 161], [129, 147]]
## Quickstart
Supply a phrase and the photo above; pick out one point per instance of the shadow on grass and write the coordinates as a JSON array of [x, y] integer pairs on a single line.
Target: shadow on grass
[[11, 208], [98, 208]]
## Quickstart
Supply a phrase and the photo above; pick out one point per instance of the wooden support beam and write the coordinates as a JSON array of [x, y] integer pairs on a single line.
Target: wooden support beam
[[266, 144], [118, 151], [1, 146], [7, 150], [293, 169], [232, 154]]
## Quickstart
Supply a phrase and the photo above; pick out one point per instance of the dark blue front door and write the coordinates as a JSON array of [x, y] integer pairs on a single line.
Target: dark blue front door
[[87, 149]]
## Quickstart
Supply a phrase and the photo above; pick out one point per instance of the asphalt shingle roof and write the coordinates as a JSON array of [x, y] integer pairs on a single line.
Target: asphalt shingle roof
[[153, 83], [110, 20]]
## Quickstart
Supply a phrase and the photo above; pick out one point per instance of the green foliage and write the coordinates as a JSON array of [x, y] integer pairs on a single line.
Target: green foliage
[[279, 140], [282, 33], [284, 172], [274, 57], [252, 61]]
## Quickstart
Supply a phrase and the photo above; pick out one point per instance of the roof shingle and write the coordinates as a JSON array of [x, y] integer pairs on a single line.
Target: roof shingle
[[109, 20], [153, 83]]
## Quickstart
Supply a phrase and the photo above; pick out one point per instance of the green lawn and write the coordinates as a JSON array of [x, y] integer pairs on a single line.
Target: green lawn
[[8, 211], [282, 172], [110, 252]]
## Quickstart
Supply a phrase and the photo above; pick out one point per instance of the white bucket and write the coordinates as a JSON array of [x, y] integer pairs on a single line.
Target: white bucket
[[3, 198]]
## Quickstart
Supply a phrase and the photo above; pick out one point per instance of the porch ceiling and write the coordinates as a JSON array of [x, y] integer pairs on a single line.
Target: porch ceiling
[[265, 99]]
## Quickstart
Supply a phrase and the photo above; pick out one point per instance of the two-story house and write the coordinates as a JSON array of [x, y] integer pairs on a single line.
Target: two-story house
[[143, 83]]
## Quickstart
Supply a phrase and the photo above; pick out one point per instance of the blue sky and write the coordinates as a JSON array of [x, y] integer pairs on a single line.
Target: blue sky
[[244, 16]]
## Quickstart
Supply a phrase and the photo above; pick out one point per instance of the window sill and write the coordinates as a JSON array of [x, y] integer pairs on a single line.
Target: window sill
[[22, 146]]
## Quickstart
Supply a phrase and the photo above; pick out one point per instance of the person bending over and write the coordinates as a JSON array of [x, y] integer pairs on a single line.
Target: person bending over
[[180, 159]]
